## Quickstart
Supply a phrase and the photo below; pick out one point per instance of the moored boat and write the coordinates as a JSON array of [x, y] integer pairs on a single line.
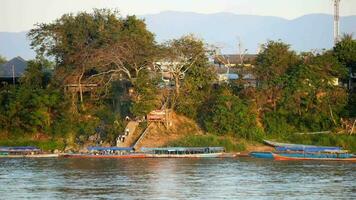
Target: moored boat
[[24, 152], [287, 157], [187, 152]]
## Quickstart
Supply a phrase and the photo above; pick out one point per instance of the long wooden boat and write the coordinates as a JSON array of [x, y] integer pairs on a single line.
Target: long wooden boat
[[30, 156], [24, 152], [208, 155], [289, 158], [107, 152], [187, 152]]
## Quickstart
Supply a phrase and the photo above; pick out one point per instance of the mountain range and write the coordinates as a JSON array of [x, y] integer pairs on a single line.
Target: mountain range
[[308, 32]]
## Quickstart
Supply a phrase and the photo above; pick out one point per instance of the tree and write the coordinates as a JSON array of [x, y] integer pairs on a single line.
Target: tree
[[96, 47], [2, 60], [345, 51], [146, 99], [311, 99], [31, 107], [179, 57], [272, 63], [228, 114]]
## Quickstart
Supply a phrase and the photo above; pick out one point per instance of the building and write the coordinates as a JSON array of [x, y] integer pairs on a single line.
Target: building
[[229, 66], [13, 70]]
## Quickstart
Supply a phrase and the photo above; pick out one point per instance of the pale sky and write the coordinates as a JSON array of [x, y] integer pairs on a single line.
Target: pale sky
[[20, 15]]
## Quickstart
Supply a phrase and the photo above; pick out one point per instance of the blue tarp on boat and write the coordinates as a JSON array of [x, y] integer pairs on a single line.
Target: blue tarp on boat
[[110, 148]]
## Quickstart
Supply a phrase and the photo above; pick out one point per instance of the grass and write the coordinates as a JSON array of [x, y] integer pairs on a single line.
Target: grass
[[228, 143]]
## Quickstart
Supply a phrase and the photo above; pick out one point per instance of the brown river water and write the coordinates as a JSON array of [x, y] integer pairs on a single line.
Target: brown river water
[[245, 178]]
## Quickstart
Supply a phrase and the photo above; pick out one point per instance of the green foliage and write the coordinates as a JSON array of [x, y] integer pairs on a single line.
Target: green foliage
[[196, 88], [2, 60], [208, 141], [46, 145], [345, 51], [228, 114], [272, 63], [298, 93], [146, 94]]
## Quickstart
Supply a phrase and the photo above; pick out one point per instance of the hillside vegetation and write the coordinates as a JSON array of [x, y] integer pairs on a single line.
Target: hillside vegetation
[[106, 67]]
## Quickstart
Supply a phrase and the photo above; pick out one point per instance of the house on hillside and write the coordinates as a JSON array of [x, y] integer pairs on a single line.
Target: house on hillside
[[229, 66], [11, 71]]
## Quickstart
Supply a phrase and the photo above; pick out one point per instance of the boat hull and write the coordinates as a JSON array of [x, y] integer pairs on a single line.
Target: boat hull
[[147, 155], [288, 158], [261, 154]]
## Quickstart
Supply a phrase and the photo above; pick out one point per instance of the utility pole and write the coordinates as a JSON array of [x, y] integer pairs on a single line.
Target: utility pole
[[336, 21], [13, 74]]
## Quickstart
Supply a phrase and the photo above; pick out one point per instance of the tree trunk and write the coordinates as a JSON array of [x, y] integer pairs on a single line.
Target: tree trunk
[[80, 86], [176, 80]]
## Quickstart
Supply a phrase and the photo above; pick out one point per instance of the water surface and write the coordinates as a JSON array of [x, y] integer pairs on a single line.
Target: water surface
[[175, 179]]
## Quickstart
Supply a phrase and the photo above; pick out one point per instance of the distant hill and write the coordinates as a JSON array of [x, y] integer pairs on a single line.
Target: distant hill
[[304, 33]]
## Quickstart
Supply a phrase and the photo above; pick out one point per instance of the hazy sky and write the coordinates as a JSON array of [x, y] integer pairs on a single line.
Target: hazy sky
[[20, 15]]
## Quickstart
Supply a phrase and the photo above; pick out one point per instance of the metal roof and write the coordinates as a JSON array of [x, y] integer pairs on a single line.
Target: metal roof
[[16, 65]]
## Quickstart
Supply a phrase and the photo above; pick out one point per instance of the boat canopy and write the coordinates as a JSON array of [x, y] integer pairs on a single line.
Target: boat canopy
[[300, 147], [184, 149], [110, 148], [20, 149]]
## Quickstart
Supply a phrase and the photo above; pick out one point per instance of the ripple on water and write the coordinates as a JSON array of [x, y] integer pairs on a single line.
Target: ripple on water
[[175, 179]]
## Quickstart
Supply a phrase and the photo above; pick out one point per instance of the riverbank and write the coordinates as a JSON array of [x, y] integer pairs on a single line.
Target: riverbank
[[231, 144]]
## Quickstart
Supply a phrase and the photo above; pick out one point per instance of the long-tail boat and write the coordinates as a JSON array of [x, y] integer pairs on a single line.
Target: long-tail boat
[[187, 152], [24, 152], [301, 151], [312, 158], [107, 152]]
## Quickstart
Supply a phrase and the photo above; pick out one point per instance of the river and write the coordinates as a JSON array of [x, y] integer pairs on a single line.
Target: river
[[175, 179]]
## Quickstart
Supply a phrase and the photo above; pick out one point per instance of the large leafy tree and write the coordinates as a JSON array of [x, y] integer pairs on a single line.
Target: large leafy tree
[[97, 47], [180, 56], [345, 51], [272, 64], [228, 114], [193, 77], [312, 98], [33, 106]]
